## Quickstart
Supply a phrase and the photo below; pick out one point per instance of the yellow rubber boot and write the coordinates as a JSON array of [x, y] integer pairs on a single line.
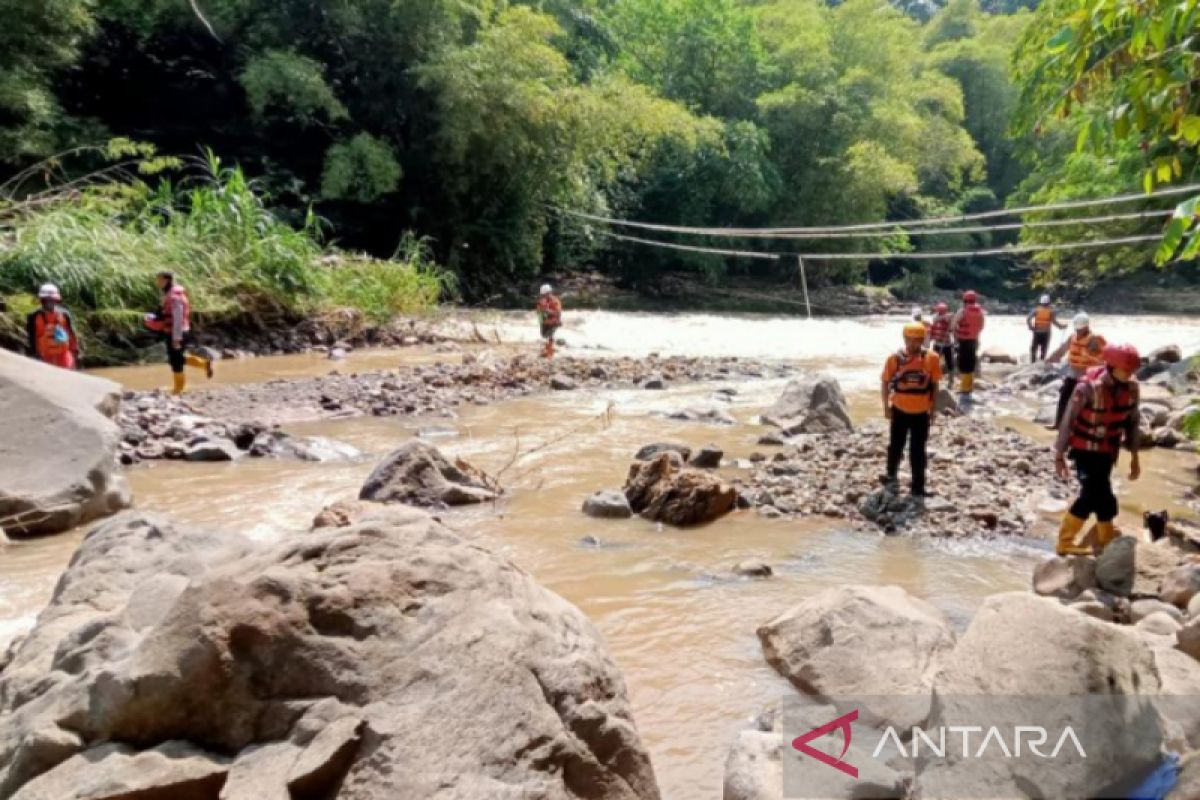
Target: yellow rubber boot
[[199, 362], [1105, 533], [966, 383], [1067, 532], [179, 382]]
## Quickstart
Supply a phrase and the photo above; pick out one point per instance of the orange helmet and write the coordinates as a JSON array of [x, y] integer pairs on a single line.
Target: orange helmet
[[1122, 356], [914, 330]]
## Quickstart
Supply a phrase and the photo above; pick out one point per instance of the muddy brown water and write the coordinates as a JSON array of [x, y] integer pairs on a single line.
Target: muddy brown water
[[680, 626]]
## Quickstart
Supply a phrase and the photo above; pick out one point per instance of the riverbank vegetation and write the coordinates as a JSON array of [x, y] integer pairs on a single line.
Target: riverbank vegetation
[[466, 124]]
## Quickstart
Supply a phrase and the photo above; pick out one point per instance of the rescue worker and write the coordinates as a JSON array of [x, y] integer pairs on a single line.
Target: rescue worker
[[51, 332], [1040, 321], [1102, 415], [966, 326], [910, 387], [1084, 351], [939, 336], [919, 316], [549, 310], [174, 322]]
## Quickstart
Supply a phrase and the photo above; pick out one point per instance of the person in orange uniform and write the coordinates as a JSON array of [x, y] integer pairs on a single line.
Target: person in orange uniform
[[939, 337], [549, 310], [1084, 351], [51, 332], [1040, 321], [967, 325], [174, 322], [910, 387], [1102, 415]]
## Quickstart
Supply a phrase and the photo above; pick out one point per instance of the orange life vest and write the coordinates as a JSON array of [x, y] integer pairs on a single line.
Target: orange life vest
[[550, 310], [166, 318], [970, 324], [1100, 425], [913, 375], [1043, 317], [53, 334], [939, 331], [1079, 355]]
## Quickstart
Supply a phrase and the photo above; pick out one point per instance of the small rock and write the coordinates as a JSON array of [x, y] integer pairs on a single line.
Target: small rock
[[650, 451], [212, 450], [562, 383], [771, 440], [654, 382], [1159, 624], [1171, 354], [1140, 609], [336, 354], [753, 569], [607, 504], [1193, 607], [1167, 438], [1181, 585], [1188, 638], [708, 457]]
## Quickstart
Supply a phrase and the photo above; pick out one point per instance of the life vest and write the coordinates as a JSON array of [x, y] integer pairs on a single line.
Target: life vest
[[970, 324], [53, 334], [939, 331], [1100, 425], [912, 373], [550, 310], [1079, 355], [1043, 317], [165, 323]]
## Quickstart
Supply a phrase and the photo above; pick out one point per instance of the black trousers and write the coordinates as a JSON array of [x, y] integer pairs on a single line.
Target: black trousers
[[1094, 471], [1064, 397], [914, 428], [968, 353], [946, 351], [1041, 344], [176, 356]]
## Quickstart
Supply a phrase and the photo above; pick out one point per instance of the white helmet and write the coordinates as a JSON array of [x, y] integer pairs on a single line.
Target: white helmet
[[546, 289], [1081, 321], [1045, 300], [49, 292], [916, 312]]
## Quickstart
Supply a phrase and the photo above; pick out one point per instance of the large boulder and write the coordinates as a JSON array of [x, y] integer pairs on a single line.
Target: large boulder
[[1181, 584], [813, 404], [1132, 568], [1171, 354], [383, 660], [862, 640], [58, 448], [418, 474], [1021, 645], [663, 491]]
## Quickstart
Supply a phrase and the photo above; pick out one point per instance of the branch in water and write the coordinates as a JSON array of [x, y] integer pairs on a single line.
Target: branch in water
[[200, 16]]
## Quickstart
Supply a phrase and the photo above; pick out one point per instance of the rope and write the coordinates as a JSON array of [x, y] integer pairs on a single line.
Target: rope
[[994, 251], [891, 226]]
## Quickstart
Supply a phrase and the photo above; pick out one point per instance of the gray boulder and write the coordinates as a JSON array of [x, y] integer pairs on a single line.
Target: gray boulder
[[609, 504], [1180, 585], [58, 448], [1171, 354], [1132, 568], [707, 457], [212, 450], [813, 404], [862, 640], [276, 444], [418, 474], [383, 660], [651, 451]]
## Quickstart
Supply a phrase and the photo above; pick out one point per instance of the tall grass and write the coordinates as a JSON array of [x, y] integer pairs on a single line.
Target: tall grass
[[103, 246]]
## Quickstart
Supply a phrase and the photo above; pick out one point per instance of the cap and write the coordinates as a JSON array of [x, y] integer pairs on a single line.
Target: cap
[[49, 292]]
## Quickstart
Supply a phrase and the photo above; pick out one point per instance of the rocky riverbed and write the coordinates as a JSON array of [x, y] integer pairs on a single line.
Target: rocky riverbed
[[156, 425]]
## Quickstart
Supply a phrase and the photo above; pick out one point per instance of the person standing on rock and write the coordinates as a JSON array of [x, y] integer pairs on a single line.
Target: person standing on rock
[[174, 322], [967, 325], [939, 336], [910, 388], [51, 332], [1084, 351], [549, 309], [1040, 321], [1102, 415]]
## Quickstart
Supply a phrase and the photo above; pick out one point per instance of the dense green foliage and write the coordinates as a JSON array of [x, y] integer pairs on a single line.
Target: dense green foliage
[[465, 122], [104, 245]]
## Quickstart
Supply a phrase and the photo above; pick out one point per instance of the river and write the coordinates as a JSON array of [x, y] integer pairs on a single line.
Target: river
[[681, 629]]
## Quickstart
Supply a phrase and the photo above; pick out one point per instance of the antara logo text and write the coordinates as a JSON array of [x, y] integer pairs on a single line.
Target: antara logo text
[[956, 741]]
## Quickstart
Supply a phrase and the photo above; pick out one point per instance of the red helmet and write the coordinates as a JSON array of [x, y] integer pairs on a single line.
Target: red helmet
[[1122, 356], [969, 296], [942, 308]]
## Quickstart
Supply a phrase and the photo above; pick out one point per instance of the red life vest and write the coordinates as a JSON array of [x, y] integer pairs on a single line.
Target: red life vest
[[1100, 425], [166, 318], [52, 330], [970, 324], [550, 310], [939, 331]]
